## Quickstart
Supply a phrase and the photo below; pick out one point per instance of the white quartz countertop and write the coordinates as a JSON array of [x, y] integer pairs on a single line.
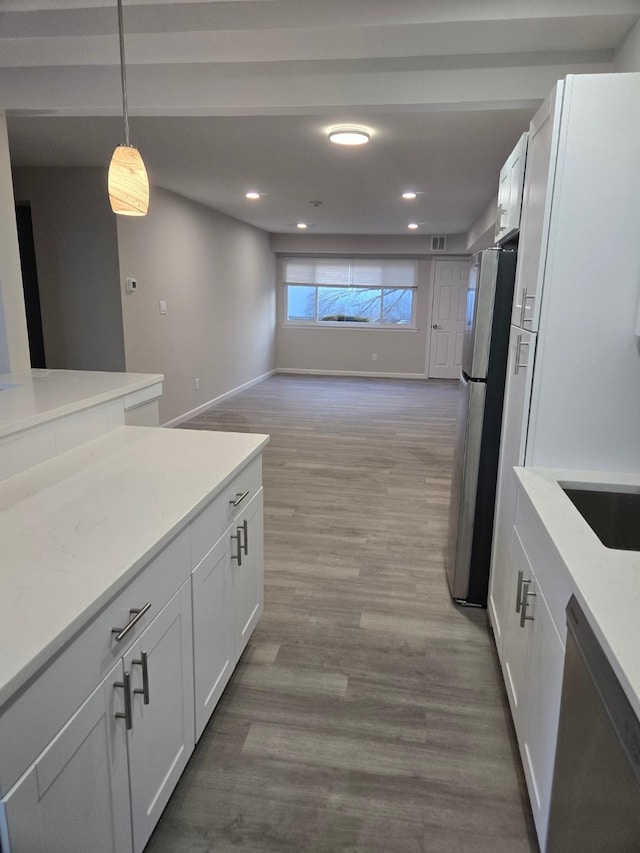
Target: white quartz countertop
[[42, 395], [607, 581], [75, 529]]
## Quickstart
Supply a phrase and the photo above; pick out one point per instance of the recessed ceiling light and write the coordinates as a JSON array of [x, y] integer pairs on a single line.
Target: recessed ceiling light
[[412, 225], [349, 135], [252, 195], [409, 195], [302, 225]]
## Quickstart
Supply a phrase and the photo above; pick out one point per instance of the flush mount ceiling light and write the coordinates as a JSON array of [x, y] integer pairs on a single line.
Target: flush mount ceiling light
[[412, 225], [128, 181], [252, 195], [409, 195], [302, 225], [349, 135]]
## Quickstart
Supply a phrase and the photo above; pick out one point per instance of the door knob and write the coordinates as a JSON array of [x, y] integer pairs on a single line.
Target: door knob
[[436, 326]]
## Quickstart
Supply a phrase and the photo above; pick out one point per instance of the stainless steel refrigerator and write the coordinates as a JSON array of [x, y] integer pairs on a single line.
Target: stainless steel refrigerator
[[484, 363]]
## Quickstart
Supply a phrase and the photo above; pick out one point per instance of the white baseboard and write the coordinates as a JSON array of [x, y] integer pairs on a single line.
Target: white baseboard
[[193, 412], [355, 373]]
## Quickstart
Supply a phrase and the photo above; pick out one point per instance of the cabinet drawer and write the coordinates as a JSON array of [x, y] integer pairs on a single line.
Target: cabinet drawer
[[209, 526], [551, 573], [39, 711]]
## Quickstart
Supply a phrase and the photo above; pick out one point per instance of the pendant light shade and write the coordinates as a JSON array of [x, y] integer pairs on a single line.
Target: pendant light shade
[[128, 182]]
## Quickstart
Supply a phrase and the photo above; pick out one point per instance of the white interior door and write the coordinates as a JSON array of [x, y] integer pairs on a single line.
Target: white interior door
[[447, 317]]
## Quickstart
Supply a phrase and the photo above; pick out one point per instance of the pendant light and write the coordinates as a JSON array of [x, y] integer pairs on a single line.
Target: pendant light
[[128, 181]]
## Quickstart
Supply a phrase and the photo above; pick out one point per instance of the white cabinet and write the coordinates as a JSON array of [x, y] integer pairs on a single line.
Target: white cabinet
[[532, 661], [79, 773], [117, 760], [161, 737], [515, 414], [227, 603], [77, 792], [213, 629], [536, 210], [510, 192], [248, 561]]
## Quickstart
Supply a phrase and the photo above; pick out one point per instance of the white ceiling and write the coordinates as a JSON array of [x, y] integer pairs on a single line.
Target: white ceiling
[[230, 96]]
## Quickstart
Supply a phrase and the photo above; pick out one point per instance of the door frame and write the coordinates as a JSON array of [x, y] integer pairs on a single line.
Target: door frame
[[432, 281]]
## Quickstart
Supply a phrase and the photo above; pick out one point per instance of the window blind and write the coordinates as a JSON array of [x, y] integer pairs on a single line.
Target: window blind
[[351, 272]]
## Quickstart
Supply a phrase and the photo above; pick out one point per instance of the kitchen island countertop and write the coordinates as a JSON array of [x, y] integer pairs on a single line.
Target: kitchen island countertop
[[77, 528]]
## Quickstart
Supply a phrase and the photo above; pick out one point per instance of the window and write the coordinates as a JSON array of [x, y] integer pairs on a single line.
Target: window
[[365, 293]]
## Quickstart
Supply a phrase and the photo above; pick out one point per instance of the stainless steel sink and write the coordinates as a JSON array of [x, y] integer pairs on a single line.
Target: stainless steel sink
[[614, 516]]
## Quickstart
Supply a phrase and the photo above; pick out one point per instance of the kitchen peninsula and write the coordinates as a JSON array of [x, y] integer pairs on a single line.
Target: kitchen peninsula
[[110, 665]]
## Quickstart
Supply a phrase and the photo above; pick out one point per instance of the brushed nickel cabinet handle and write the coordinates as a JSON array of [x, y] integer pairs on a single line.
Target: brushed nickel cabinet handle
[[245, 529], [237, 556], [517, 367], [240, 496], [137, 614], [125, 715], [143, 662], [519, 591], [526, 595]]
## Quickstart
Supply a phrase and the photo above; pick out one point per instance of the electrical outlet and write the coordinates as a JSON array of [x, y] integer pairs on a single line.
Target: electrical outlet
[[132, 285], [374, 356], [196, 382], [163, 306]]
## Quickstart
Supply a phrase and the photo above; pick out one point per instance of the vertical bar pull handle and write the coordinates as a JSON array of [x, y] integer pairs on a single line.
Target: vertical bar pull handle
[[523, 306], [517, 365], [526, 595], [127, 715], [237, 556], [519, 591], [245, 529], [143, 662]]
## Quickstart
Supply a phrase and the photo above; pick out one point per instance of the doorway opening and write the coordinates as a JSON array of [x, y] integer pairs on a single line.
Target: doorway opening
[[30, 284]]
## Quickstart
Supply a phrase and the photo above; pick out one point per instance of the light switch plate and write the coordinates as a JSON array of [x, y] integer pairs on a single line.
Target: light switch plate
[[132, 285], [163, 306]]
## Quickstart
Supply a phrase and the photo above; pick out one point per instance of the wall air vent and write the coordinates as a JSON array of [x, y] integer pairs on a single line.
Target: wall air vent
[[438, 244]]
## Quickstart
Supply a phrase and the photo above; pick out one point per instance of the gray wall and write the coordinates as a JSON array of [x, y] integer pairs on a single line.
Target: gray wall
[[349, 350], [627, 56], [76, 248], [217, 277]]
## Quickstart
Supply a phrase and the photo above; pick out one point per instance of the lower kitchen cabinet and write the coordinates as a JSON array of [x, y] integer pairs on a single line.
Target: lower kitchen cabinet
[[227, 603], [161, 737], [532, 659], [78, 788], [116, 762], [102, 780], [214, 627], [248, 578]]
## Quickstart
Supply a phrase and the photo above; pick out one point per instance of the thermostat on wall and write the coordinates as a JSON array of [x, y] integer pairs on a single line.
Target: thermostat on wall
[[132, 285]]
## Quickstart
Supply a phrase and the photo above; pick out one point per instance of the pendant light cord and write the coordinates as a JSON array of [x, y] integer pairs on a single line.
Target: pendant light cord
[[123, 75]]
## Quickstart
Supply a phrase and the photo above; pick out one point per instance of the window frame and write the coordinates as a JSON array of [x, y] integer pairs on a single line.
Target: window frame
[[317, 323]]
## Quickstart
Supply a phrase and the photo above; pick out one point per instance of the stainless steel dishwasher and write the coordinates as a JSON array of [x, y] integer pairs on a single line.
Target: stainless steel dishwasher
[[595, 799]]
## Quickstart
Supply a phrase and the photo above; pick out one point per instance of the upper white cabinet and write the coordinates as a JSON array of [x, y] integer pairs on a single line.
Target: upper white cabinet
[[536, 210], [510, 192]]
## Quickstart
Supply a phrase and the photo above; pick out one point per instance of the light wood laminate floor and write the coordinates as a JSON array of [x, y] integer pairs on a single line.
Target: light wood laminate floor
[[367, 713]]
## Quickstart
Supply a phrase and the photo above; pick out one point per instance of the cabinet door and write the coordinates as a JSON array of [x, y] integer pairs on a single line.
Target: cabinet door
[[512, 447], [213, 628], [247, 562], [76, 795], [536, 210], [510, 189], [516, 167], [544, 672], [517, 634], [162, 735]]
